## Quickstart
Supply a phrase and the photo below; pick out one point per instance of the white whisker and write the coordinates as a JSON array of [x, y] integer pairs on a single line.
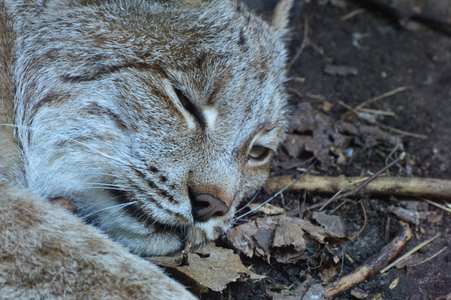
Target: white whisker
[[95, 151], [116, 207], [105, 185], [274, 196], [106, 174], [247, 204], [105, 188]]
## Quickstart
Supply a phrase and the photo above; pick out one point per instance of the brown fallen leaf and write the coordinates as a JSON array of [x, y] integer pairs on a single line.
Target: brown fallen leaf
[[330, 222], [329, 272], [242, 238], [331, 141], [280, 237], [210, 267], [289, 244]]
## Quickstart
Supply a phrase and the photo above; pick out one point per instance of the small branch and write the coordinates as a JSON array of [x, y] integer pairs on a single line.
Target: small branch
[[372, 266], [364, 224], [398, 186], [384, 95], [418, 247], [430, 258], [377, 112], [366, 182], [438, 205], [305, 41], [352, 14], [356, 111]]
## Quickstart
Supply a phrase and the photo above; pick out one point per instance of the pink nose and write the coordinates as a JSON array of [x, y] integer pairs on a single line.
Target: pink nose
[[205, 206]]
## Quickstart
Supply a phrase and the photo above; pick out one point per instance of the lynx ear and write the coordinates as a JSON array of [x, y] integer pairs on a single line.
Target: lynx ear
[[281, 16]]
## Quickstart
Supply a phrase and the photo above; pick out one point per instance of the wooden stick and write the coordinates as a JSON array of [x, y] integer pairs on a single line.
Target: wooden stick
[[398, 186], [373, 265]]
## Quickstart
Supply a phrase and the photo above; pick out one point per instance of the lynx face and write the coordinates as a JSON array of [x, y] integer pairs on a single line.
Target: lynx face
[[155, 119]]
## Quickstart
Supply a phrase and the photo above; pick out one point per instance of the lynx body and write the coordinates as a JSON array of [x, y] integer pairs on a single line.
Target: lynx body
[[155, 118]]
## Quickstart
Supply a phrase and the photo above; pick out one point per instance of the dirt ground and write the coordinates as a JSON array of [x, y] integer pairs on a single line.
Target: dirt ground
[[353, 58]]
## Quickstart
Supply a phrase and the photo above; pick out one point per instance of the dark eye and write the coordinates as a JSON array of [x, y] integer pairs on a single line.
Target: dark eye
[[184, 100], [259, 152], [190, 107]]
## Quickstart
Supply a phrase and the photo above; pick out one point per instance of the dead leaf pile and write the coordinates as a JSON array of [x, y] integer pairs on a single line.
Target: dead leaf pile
[[280, 237], [329, 140]]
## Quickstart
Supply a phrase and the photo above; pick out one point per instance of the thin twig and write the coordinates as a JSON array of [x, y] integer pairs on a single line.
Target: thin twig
[[438, 205], [303, 44], [373, 121], [403, 132], [344, 188], [365, 183], [364, 224], [384, 95], [418, 247], [352, 14], [429, 258], [377, 112], [296, 92]]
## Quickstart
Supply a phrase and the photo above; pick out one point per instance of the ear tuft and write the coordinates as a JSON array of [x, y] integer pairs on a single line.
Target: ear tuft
[[281, 16]]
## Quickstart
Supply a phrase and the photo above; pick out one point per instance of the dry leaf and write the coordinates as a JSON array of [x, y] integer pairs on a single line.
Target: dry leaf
[[280, 237], [313, 132], [330, 273], [330, 222], [242, 238], [289, 244], [210, 267]]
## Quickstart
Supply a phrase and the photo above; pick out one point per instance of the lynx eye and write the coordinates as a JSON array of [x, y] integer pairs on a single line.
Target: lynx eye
[[259, 153], [184, 100], [190, 107]]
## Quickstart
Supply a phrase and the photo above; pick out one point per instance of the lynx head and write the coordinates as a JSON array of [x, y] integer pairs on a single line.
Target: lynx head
[[155, 118]]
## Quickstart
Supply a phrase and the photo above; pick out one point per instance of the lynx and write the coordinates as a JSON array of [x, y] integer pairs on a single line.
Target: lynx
[[153, 118]]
